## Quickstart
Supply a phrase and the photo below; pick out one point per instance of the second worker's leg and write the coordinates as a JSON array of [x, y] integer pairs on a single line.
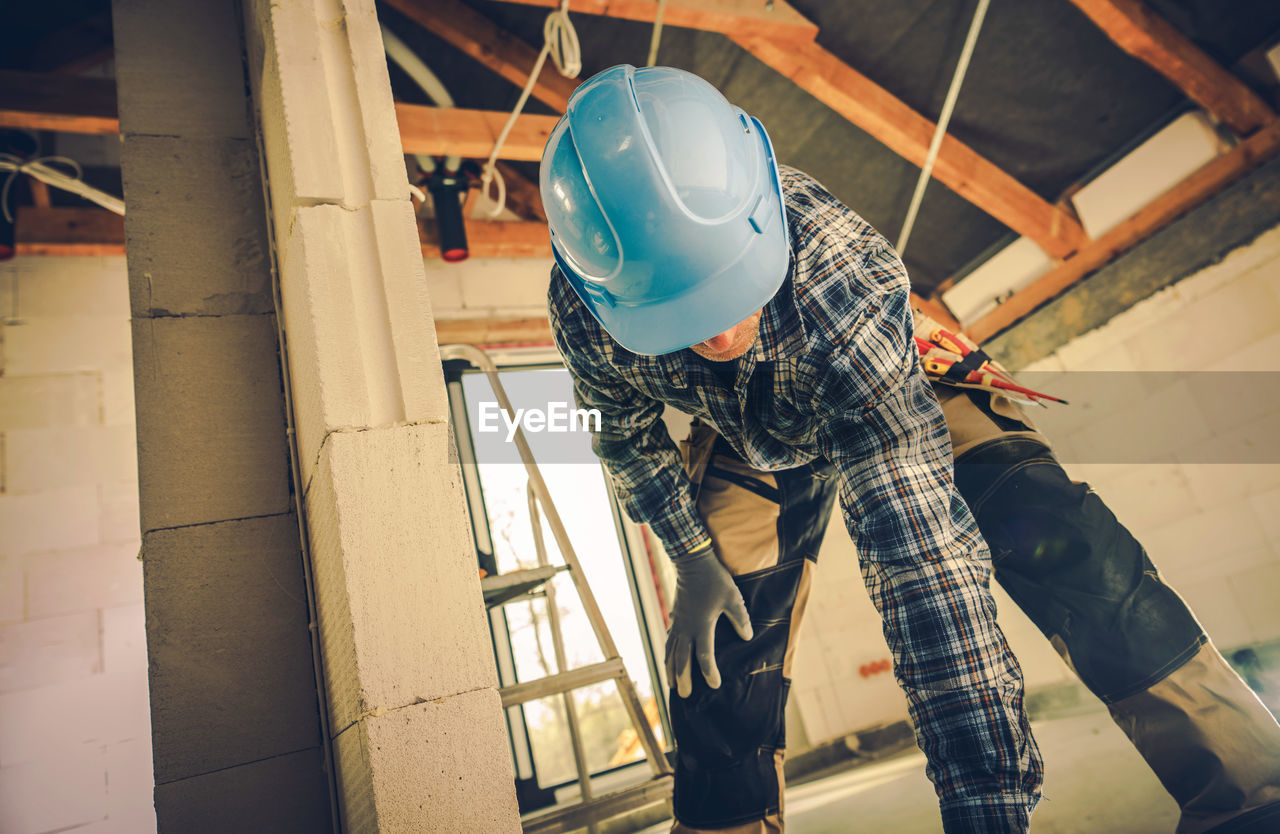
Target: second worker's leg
[[1089, 586]]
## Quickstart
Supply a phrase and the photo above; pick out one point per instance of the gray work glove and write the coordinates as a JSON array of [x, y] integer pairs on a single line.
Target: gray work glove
[[704, 591]]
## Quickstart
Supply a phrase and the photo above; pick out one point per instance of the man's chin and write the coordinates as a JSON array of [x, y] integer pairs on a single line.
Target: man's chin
[[728, 354]]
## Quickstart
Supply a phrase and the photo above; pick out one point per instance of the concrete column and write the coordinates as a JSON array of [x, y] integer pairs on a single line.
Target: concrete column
[[412, 688], [234, 706]]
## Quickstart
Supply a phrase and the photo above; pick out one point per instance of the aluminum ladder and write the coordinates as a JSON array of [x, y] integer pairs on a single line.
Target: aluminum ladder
[[510, 587]]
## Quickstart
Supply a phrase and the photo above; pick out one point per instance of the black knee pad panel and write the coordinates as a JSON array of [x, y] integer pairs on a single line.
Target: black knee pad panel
[[727, 737], [1075, 570]]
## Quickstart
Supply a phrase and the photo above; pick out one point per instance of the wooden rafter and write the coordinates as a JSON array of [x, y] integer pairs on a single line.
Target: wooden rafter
[[470, 133], [39, 192], [523, 196], [500, 51], [494, 331], [68, 231], [935, 311], [777, 18], [496, 239], [865, 104], [1180, 199], [33, 101], [96, 231], [1151, 39], [88, 105], [906, 132]]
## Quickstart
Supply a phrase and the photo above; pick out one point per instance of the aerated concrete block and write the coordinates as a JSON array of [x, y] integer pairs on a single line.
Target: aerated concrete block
[[73, 286], [201, 91], [119, 519], [52, 650], [1255, 588], [65, 344], [48, 400], [228, 644], [324, 99], [211, 425], [362, 345], [196, 227], [54, 794], [438, 766], [49, 458], [284, 795], [400, 611], [87, 579], [409, 314], [10, 588], [56, 519]]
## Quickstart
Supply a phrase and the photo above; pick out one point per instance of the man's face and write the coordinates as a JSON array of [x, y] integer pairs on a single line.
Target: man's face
[[732, 343]]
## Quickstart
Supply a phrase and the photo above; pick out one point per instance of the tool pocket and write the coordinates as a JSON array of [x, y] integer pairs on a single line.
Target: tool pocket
[[740, 507]]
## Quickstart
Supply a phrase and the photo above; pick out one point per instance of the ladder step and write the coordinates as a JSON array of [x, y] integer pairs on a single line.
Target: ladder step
[[571, 817], [507, 587], [564, 682]]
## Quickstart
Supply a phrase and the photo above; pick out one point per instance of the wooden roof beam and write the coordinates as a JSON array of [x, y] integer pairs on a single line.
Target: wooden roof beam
[[494, 331], [87, 105], [1151, 39], [34, 101], [523, 196], [96, 231], [500, 51], [732, 17], [1186, 195], [495, 239], [440, 131], [907, 133], [68, 231]]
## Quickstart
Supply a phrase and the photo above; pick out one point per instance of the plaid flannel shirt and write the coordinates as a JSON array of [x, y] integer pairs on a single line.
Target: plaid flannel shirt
[[834, 373]]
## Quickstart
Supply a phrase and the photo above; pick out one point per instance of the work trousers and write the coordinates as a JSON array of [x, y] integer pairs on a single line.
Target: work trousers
[[1063, 558]]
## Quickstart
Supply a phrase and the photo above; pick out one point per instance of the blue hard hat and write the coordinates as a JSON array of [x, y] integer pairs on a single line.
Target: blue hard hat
[[665, 207]]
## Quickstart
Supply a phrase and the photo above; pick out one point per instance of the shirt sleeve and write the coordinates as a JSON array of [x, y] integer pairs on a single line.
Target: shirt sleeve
[[633, 443], [926, 566]]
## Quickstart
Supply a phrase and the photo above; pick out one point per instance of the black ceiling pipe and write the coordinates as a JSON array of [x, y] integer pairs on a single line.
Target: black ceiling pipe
[[446, 190]]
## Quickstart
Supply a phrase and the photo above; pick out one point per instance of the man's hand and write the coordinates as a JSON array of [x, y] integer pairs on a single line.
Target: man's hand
[[704, 591]]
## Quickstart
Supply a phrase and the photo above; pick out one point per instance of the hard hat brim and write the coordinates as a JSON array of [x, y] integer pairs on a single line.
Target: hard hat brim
[[707, 309]]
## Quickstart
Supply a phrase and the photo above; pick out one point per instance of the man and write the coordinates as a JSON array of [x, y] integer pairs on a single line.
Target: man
[[673, 228]]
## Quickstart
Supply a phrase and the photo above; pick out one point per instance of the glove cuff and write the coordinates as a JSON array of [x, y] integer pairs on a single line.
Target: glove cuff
[[702, 550]]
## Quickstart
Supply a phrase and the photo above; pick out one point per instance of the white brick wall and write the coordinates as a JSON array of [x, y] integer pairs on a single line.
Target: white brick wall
[[1213, 529], [75, 735], [481, 287]]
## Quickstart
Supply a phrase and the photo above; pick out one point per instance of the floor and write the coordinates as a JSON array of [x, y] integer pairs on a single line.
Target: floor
[[1094, 782]]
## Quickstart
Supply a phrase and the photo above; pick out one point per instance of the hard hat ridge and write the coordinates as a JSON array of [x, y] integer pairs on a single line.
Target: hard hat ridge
[[664, 206]]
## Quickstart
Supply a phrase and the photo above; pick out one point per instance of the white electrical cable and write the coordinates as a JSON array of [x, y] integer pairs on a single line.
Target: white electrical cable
[[427, 81], [560, 42], [941, 130], [39, 168], [656, 37]]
